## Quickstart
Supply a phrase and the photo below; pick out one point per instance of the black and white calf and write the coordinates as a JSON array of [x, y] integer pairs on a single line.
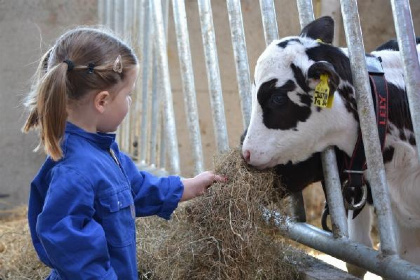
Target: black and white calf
[[288, 131]]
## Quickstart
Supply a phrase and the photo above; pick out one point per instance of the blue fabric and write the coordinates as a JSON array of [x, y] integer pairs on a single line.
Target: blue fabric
[[82, 208]]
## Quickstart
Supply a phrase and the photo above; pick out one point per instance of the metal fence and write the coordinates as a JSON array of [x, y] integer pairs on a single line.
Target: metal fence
[[149, 133]]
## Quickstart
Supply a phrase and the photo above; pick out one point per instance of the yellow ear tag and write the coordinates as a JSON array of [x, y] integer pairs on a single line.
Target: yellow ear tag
[[322, 96]]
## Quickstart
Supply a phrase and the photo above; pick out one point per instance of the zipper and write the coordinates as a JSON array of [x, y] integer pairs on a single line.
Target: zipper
[[114, 157]]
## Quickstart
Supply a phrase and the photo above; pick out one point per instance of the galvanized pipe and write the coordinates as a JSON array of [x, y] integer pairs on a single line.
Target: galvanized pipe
[[390, 267], [168, 109], [306, 12], [329, 162], [101, 12], [376, 172], [109, 14], [407, 42], [148, 39], [213, 75], [241, 58], [156, 111], [188, 87], [268, 14], [334, 194]]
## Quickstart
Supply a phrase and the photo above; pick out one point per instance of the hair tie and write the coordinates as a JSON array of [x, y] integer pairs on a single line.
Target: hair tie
[[90, 68], [70, 64]]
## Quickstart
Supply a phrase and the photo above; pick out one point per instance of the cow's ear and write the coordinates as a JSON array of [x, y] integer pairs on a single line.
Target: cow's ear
[[323, 67], [321, 28]]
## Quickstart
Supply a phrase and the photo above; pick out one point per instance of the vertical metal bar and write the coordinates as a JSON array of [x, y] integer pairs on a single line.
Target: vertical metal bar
[[306, 12], [118, 20], [109, 17], [188, 87], [127, 35], [376, 172], [407, 42], [146, 53], [241, 58], [268, 14], [101, 12], [157, 103], [156, 112], [332, 179], [213, 75], [334, 194], [169, 116]]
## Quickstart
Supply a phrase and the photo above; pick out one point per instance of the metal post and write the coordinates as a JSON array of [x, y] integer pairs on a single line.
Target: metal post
[[213, 75], [168, 116], [407, 43], [188, 87], [376, 172], [268, 14], [241, 58], [329, 162], [109, 14]]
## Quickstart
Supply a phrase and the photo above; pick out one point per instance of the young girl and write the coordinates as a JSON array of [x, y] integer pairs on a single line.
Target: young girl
[[86, 195]]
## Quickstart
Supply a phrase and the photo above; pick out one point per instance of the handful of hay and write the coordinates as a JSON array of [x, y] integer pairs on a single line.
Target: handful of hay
[[221, 235]]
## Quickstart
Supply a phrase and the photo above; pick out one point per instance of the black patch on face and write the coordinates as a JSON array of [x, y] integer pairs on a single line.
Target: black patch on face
[[279, 112], [286, 42], [412, 140], [334, 56], [300, 78], [388, 154]]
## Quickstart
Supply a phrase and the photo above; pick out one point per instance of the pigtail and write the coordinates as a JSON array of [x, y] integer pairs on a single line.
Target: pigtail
[[48, 101]]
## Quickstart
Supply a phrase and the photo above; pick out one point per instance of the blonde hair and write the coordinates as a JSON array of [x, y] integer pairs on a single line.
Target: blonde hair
[[82, 60]]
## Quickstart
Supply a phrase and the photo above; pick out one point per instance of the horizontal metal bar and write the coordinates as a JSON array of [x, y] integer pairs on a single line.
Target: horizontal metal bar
[[389, 266]]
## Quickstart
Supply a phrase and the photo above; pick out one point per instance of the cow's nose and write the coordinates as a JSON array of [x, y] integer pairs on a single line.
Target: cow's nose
[[247, 155]]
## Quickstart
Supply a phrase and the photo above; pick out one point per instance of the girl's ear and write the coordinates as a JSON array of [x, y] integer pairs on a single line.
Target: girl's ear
[[101, 101]]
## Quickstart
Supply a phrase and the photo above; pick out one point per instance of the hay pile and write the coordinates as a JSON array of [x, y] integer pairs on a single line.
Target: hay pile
[[220, 235], [18, 259]]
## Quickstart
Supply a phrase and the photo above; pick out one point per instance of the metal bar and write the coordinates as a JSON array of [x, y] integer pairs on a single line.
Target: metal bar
[[127, 35], [306, 12], [241, 58], [407, 42], [391, 266], [188, 87], [213, 75], [334, 194], [101, 12], [376, 172], [268, 14], [146, 66], [329, 162], [168, 116], [156, 112], [109, 14]]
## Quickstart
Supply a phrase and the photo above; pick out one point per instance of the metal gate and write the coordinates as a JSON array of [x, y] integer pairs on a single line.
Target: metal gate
[[144, 23]]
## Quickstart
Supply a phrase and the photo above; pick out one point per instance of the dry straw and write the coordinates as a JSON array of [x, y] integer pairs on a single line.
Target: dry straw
[[220, 235]]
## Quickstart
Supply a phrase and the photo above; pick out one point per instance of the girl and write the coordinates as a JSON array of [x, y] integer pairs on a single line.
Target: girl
[[86, 195]]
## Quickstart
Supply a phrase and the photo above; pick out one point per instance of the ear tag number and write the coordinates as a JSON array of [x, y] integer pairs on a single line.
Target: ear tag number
[[322, 97]]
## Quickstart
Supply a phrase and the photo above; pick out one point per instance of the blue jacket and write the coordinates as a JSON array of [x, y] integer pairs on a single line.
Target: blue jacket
[[82, 208]]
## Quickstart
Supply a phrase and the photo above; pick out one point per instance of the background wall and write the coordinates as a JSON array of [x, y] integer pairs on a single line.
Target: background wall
[[28, 28]]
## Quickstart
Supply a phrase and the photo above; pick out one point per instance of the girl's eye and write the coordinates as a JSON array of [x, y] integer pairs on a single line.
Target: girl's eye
[[279, 99]]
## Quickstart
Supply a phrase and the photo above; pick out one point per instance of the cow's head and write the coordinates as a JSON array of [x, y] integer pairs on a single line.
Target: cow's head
[[285, 124]]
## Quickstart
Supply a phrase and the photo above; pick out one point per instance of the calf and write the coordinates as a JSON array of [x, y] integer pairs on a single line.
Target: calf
[[287, 130]]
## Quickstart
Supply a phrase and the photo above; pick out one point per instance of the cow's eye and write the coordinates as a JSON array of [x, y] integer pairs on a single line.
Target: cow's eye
[[279, 99]]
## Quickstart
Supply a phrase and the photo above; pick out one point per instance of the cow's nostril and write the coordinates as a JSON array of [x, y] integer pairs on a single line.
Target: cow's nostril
[[247, 155]]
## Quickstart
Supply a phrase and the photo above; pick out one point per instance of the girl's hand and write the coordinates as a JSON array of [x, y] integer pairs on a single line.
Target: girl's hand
[[198, 185]]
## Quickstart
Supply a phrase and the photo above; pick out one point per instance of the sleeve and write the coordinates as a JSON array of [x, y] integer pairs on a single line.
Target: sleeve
[[73, 241], [152, 195]]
